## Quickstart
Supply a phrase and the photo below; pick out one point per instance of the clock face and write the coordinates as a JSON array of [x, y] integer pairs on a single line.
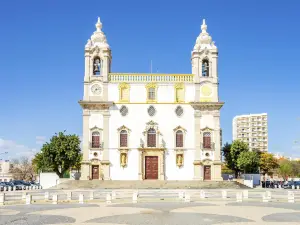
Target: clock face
[[96, 89], [206, 90]]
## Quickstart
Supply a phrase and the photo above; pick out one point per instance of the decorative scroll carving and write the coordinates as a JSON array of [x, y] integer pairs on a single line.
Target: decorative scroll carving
[[207, 106]]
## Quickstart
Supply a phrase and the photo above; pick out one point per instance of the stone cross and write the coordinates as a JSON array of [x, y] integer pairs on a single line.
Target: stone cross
[[54, 199], [28, 199], [80, 198], [239, 197]]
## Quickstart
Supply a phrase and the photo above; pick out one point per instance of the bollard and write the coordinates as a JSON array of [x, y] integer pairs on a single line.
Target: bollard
[[187, 198], [108, 198], [298, 187], [27, 187], [14, 188], [54, 199], [245, 194], [239, 197], [2, 198], [265, 197], [181, 195], [80, 198], [69, 196], [293, 186], [135, 197], [224, 194], [46, 195], [31, 187], [113, 195], [91, 195], [269, 195], [24, 195], [291, 197], [202, 194], [28, 199]]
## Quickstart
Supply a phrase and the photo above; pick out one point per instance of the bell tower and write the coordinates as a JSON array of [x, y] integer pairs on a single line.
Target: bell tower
[[97, 62]]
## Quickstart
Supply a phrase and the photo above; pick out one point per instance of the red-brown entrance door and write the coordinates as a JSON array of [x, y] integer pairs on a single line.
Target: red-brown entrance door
[[207, 173], [151, 167], [95, 172]]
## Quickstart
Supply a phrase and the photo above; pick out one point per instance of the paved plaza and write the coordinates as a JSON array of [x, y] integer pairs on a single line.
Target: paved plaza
[[156, 211]]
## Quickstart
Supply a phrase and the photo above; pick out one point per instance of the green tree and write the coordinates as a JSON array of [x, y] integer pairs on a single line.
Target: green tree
[[248, 162], [268, 163], [60, 154], [285, 169], [237, 147]]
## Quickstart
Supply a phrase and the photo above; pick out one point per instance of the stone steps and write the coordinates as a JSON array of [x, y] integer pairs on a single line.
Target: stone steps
[[155, 184]]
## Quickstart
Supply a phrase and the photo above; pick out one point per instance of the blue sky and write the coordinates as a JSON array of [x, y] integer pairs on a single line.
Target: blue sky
[[42, 60]]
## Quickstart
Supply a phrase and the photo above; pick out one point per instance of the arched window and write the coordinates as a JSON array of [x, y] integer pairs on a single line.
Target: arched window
[[95, 139], [179, 139], [151, 93], [207, 140], [123, 138], [205, 68], [151, 138], [97, 66]]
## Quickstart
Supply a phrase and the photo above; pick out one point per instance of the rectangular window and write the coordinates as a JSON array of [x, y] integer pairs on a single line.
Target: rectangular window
[[125, 94], [179, 95], [151, 94]]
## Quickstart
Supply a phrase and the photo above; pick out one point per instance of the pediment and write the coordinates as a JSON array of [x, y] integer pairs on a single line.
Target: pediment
[[179, 128], [95, 128], [123, 127], [207, 129]]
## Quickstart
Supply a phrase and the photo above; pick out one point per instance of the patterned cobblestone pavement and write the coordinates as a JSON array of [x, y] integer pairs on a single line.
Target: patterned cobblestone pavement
[[148, 213]]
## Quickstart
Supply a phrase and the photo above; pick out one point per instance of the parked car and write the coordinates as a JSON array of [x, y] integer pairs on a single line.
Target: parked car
[[288, 185], [18, 184], [2, 186], [9, 185], [35, 185]]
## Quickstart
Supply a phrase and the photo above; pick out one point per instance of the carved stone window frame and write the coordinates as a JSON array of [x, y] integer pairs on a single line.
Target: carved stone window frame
[[184, 135], [96, 129], [204, 130], [123, 127], [179, 86], [122, 87], [148, 86], [149, 125]]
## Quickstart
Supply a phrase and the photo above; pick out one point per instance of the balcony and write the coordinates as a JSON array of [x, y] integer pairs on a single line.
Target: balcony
[[208, 147], [96, 145]]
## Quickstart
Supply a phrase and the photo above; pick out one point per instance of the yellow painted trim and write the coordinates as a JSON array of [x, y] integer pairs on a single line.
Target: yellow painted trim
[[154, 74], [179, 86], [148, 86], [155, 102], [122, 87]]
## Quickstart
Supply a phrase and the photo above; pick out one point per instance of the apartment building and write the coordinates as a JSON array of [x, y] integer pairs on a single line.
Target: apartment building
[[252, 129]]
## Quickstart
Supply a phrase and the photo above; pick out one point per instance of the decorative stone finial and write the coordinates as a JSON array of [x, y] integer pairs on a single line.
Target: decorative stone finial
[[204, 26], [98, 25]]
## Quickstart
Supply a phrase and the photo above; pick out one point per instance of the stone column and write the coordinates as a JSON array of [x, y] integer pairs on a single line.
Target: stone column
[[85, 164], [105, 161], [197, 136], [140, 162], [162, 166], [217, 153]]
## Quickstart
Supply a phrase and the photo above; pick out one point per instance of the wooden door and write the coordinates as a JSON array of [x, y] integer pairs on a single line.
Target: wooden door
[[95, 172], [207, 173], [151, 167]]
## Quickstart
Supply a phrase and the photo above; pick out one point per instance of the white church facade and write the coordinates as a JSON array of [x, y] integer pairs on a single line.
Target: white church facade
[[151, 126]]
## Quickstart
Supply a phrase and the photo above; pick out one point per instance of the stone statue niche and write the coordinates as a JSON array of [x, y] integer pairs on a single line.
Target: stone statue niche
[[205, 68], [97, 66]]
